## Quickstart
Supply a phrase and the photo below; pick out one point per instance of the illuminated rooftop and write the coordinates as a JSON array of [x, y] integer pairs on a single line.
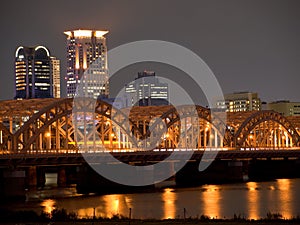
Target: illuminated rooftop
[[85, 33]]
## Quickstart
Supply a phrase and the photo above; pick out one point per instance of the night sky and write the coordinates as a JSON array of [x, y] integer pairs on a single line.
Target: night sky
[[249, 45]]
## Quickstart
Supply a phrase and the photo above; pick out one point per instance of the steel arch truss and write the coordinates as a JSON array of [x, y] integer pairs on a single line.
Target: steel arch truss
[[266, 129], [50, 128], [99, 125], [193, 127], [68, 124], [57, 127], [5, 137]]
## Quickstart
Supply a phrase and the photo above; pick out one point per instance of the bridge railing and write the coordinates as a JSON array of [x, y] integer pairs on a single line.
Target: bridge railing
[[80, 151]]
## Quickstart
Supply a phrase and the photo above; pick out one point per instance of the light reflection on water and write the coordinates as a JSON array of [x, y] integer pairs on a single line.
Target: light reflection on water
[[169, 201], [284, 195], [49, 205], [250, 200], [211, 197], [253, 202]]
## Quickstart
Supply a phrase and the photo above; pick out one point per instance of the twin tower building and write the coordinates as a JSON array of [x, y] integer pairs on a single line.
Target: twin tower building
[[37, 72]]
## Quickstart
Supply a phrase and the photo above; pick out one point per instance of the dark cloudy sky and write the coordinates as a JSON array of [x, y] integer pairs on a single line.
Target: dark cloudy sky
[[249, 45]]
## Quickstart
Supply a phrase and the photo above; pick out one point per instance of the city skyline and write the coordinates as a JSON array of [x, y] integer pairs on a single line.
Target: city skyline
[[170, 111], [250, 46]]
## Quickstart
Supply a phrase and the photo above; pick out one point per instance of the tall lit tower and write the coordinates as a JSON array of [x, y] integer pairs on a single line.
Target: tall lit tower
[[87, 49]]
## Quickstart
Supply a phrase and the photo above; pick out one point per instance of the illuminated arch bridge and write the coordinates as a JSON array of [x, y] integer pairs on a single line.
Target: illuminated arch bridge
[[39, 125]]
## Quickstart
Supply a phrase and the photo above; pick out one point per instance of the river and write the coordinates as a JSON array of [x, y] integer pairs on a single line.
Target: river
[[250, 200]]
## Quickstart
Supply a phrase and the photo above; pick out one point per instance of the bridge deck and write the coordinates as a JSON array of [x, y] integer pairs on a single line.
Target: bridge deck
[[19, 160]]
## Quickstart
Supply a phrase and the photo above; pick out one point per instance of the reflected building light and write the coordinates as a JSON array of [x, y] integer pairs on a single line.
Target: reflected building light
[[49, 205], [86, 213], [169, 198], [116, 205], [253, 201], [285, 197], [211, 201]]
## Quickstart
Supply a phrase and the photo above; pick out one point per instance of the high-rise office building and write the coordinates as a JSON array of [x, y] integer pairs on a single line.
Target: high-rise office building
[[146, 89], [87, 54], [33, 76], [55, 71], [240, 102]]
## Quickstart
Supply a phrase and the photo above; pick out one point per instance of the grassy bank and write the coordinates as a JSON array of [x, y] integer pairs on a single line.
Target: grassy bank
[[156, 222], [61, 217]]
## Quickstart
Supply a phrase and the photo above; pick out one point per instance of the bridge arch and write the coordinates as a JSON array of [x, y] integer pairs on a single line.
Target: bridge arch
[[5, 137], [59, 114], [266, 129], [206, 130]]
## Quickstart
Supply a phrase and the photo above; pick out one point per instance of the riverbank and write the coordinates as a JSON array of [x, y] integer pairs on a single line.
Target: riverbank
[[164, 222], [61, 217]]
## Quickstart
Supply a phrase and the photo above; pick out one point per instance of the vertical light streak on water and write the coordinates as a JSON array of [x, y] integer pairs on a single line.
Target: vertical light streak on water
[[211, 199], [285, 197], [169, 199], [253, 200]]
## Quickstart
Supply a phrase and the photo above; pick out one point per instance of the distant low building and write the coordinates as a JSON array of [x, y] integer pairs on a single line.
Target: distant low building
[[285, 108], [146, 90], [240, 102]]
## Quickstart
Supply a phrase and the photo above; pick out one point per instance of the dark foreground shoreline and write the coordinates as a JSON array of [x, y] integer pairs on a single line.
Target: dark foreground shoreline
[[61, 217], [158, 222]]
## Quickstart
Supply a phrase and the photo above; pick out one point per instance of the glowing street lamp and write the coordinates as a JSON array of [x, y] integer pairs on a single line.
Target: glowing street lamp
[[48, 134]]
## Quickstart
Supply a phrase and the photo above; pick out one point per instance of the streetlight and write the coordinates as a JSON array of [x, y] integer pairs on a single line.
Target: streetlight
[[47, 134]]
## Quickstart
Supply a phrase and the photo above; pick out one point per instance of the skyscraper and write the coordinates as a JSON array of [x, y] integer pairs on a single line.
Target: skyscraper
[[145, 90], [55, 71], [33, 78], [87, 54]]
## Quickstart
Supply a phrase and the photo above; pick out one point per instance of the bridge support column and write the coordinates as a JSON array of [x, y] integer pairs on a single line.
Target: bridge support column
[[32, 177], [13, 184], [41, 176], [90, 181], [168, 169], [220, 171], [61, 177]]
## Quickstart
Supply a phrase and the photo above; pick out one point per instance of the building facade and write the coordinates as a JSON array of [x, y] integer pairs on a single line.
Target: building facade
[[33, 73], [285, 108], [145, 90], [55, 71], [87, 55], [240, 102]]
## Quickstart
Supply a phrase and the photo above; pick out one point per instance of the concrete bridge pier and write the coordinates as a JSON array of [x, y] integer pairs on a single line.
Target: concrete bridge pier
[[166, 170], [220, 171], [12, 184], [266, 169], [31, 177], [61, 177], [90, 181], [35, 177]]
